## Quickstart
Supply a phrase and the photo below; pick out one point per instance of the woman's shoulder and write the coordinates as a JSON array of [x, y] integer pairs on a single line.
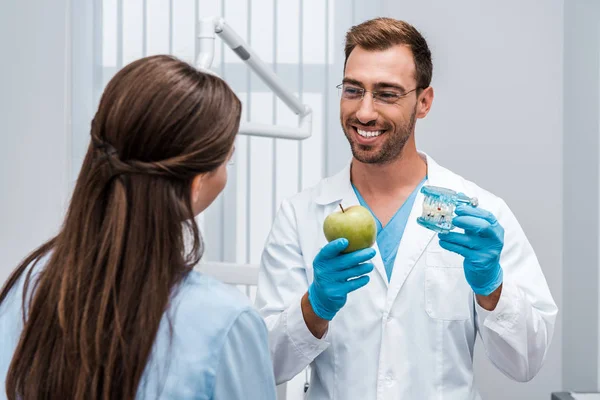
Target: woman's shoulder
[[203, 286], [203, 298]]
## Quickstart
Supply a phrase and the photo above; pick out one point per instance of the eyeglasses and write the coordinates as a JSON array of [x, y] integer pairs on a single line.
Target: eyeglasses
[[390, 96]]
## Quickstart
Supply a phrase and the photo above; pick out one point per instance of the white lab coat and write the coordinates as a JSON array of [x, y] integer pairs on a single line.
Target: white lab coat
[[412, 338]]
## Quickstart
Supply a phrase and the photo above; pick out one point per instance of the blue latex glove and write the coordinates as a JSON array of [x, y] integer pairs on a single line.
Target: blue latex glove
[[480, 245], [332, 271]]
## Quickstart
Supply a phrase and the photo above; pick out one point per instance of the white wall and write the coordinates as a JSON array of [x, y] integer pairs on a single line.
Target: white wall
[[581, 181], [497, 120], [35, 152]]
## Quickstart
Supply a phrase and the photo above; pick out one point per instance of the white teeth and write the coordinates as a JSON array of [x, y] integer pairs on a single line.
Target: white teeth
[[368, 133], [437, 212]]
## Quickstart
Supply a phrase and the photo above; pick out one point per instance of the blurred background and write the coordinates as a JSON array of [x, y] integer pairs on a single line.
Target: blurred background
[[517, 110]]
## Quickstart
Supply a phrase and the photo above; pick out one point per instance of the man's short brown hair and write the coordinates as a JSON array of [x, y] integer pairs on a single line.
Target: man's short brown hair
[[383, 33]]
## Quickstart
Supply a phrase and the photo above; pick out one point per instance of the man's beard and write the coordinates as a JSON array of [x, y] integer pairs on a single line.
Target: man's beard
[[392, 146]]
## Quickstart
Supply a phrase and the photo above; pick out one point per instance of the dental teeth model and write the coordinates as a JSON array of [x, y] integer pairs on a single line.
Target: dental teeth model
[[439, 205]]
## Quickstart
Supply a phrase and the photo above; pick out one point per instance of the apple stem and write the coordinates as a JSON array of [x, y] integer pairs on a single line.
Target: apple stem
[[342, 207]]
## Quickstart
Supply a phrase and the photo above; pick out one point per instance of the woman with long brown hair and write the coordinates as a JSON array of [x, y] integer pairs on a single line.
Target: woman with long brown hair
[[111, 308]]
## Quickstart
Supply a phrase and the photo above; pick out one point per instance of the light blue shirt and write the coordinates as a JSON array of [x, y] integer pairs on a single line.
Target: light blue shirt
[[219, 348], [390, 236]]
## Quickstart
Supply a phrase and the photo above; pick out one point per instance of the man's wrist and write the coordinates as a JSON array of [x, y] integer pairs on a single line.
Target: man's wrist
[[315, 324], [490, 301]]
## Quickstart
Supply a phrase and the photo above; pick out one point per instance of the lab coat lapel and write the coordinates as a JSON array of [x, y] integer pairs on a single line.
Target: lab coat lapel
[[415, 238], [414, 242], [348, 200]]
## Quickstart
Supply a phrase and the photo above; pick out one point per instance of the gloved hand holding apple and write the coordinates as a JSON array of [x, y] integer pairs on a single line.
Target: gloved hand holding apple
[[341, 267]]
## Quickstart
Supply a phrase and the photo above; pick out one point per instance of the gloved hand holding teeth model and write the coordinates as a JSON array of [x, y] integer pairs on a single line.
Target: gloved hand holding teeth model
[[480, 244]]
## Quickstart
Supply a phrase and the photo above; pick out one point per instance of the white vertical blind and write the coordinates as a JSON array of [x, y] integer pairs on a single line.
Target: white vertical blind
[[294, 37]]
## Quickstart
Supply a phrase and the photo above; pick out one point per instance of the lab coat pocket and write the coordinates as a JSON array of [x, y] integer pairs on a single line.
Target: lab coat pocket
[[447, 293], [440, 257]]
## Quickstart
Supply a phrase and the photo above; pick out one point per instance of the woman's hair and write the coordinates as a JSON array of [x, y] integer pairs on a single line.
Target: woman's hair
[[94, 309]]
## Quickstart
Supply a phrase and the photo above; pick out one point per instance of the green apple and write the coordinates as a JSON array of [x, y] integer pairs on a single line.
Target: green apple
[[355, 223]]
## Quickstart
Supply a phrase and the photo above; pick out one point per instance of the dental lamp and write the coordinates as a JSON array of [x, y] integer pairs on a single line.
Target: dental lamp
[[207, 28]]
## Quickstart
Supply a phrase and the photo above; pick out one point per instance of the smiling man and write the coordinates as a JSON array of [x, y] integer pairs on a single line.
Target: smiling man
[[399, 320]]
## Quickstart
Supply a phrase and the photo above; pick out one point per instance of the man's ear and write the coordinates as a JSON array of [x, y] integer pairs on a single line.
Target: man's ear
[[424, 102]]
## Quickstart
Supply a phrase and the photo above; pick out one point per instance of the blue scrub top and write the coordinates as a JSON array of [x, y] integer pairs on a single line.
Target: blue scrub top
[[390, 236], [219, 348]]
